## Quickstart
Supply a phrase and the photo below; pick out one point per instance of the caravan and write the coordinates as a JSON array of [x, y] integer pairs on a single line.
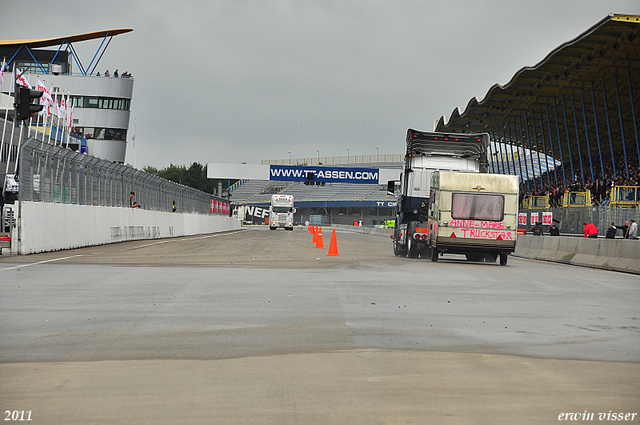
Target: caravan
[[473, 214]]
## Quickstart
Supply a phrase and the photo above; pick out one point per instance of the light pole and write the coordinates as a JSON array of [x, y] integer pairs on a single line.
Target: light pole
[[347, 155], [289, 157], [377, 154], [318, 150]]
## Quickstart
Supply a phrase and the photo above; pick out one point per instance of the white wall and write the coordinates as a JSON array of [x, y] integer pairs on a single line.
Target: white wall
[[50, 227]]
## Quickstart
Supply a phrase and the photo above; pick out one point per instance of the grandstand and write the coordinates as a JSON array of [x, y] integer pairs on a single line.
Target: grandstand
[[338, 203]]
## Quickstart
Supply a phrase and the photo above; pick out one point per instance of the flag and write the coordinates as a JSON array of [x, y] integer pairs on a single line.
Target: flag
[[57, 106], [63, 108], [2, 73], [21, 80], [45, 100], [135, 128], [71, 118]]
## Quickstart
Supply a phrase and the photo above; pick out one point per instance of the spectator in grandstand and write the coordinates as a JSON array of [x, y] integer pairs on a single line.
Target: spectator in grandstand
[[611, 231], [115, 74], [106, 73], [173, 207], [553, 230], [633, 230], [537, 229], [131, 195], [590, 230]]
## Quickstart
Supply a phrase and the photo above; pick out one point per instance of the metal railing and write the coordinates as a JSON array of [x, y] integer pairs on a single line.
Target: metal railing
[[337, 160], [570, 220], [50, 173]]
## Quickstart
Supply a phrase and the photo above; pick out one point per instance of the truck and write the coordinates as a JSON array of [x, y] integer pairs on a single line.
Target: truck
[[427, 152], [281, 212], [473, 214]]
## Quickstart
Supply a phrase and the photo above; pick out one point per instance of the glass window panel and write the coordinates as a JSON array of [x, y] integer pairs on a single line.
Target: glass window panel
[[470, 206]]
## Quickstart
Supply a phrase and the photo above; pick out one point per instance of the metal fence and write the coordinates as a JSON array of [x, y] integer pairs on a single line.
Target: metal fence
[[49, 173], [570, 219]]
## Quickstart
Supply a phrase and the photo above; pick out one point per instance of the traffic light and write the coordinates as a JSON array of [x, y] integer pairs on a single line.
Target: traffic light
[[23, 106]]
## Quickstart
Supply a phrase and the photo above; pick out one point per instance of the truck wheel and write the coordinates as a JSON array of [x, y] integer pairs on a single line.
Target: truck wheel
[[503, 259], [490, 258], [412, 250], [434, 255], [399, 250], [474, 257]]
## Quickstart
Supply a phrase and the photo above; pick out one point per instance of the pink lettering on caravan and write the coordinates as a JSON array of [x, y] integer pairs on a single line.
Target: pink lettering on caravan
[[479, 224], [486, 234]]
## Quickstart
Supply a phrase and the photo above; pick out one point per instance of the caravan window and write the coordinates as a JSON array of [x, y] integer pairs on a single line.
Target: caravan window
[[471, 206]]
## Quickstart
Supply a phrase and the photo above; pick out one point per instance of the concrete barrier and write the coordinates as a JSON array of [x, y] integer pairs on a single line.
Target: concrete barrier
[[45, 226], [621, 255]]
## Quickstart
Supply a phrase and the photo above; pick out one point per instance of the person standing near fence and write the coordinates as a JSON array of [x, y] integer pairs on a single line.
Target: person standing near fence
[[553, 230], [633, 230], [590, 230], [611, 231], [537, 229]]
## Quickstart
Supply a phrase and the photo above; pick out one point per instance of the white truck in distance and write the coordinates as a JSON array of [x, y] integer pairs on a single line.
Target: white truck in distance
[[281, 212]]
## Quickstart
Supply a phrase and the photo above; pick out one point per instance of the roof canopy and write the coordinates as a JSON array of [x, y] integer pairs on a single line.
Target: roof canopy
[[55, 42], [583, 92]]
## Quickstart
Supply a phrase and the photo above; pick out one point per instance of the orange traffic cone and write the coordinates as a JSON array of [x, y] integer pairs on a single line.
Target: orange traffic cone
[[333, 245], [319, 243], [315, 235]]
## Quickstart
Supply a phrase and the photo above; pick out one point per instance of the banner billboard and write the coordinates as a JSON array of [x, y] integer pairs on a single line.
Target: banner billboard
[[324, 174]]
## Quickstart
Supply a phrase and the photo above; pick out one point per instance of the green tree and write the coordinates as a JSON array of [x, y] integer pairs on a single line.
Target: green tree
[[194, 176]]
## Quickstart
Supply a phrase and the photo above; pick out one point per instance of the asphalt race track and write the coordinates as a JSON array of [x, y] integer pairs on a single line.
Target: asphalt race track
[[259, 326]]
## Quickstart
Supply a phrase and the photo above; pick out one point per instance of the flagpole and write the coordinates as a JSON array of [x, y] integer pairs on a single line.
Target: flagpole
[[66, 115], [13, 127], [22, 125], [135, 130], [6, 112]]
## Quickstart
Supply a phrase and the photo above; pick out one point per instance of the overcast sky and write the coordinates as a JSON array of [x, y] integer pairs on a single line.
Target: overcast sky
[[246, 80]]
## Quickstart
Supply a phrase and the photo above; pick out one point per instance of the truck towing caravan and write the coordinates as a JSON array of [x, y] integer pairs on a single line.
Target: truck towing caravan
[[473, 214], [426, 153], [281, 212]]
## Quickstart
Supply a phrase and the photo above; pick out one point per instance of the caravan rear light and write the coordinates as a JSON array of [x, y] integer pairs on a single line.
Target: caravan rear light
[[417, 236], [424, 237]]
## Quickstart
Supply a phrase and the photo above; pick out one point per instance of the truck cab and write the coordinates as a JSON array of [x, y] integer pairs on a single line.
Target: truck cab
[[426, 153]]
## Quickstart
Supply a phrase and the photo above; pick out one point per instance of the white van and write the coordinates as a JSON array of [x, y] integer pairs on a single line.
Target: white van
[[474, 214]]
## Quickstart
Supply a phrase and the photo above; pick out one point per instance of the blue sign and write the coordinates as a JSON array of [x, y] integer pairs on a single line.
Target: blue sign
[[325, 174]]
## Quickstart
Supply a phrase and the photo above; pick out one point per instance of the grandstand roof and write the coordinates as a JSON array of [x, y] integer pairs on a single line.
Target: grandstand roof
[[605, 56], [49, 42]]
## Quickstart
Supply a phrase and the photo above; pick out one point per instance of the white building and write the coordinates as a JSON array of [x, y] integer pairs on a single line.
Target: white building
[[101, 112]]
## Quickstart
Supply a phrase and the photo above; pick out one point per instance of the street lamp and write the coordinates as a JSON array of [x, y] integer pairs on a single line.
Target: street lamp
[[318, 150], [347, 155], [377, 154], [289, 157]]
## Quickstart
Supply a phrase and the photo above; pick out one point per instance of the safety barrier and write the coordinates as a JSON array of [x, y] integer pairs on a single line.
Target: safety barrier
[[576, 199], [536, 202], [625, 196], [621, 255], [46, 226]]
